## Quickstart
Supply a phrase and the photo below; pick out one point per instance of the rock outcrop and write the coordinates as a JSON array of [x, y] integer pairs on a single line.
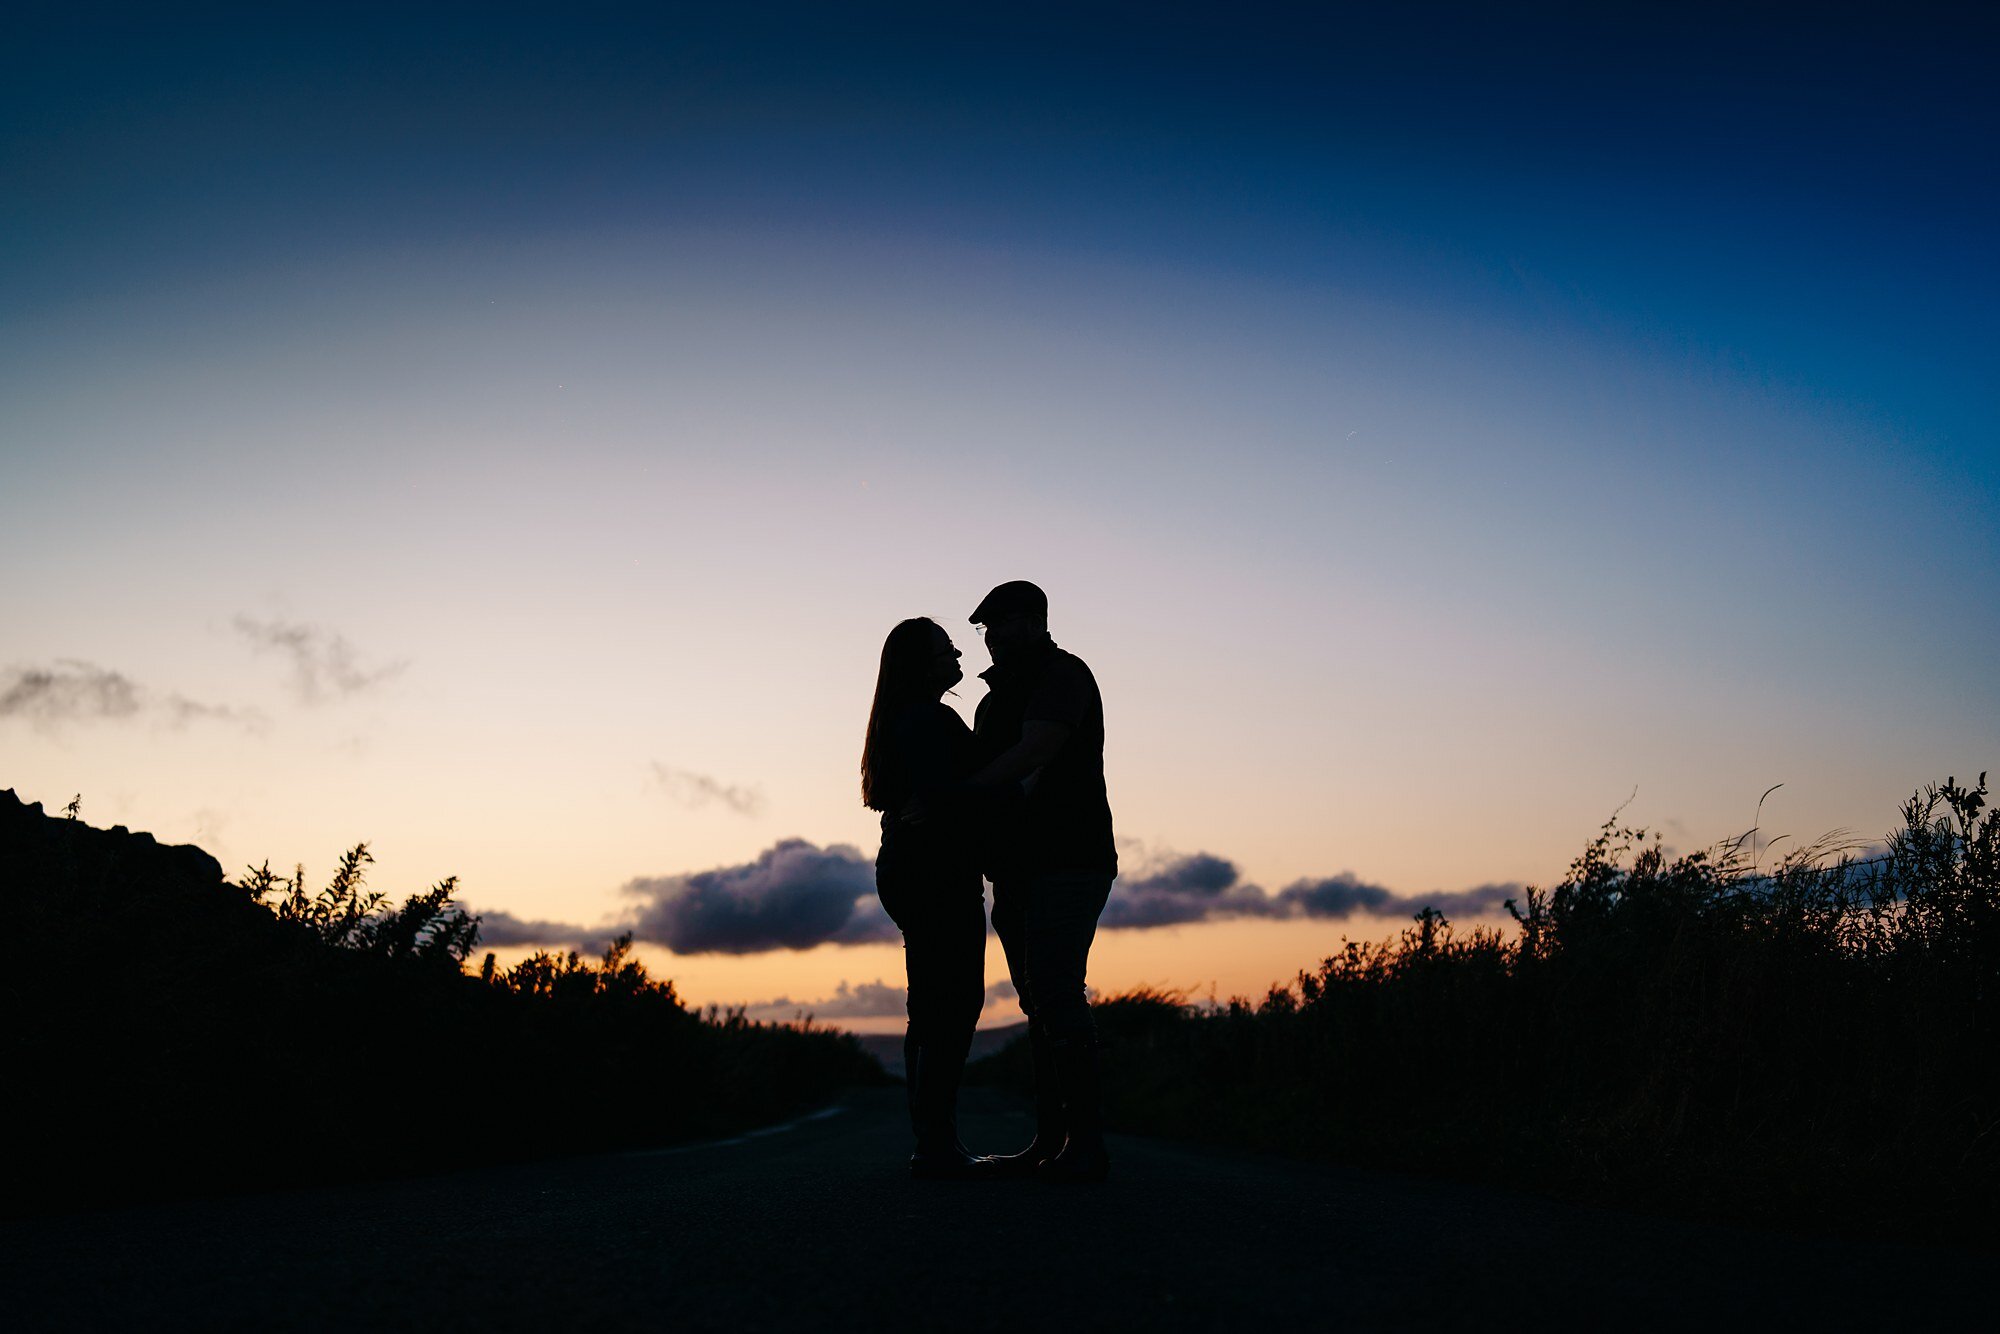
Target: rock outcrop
[[70, 852]]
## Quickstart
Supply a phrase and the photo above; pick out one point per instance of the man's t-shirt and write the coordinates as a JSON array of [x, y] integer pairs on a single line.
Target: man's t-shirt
[[1065, 823]]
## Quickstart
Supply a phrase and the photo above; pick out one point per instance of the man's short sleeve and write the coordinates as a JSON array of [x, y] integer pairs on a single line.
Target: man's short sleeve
[[1063, 695]]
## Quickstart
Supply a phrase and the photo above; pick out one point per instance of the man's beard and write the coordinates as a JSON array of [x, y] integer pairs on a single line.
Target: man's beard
[[1012, 650]]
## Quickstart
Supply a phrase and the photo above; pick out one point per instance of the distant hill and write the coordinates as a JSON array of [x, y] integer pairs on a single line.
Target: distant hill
[[887, 1048]]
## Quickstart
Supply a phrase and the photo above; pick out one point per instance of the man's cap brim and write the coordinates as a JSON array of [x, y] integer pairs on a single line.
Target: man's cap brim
[[1013, 598]]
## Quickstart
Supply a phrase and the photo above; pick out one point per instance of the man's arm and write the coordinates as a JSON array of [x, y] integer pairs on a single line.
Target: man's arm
[[1038, 745], [1040, 740]]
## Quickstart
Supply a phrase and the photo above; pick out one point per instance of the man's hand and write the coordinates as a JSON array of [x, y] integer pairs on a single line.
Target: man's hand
[[1038, 745], [913, 811]]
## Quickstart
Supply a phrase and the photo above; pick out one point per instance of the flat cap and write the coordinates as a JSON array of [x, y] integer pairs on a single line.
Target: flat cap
[[1016, 597]]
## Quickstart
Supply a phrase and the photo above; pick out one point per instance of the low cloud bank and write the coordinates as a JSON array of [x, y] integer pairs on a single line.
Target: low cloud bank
[[869, 1000], [1202, 887], [1344, 895], [792, 897], [796, 896], [502, 929], [1194, 888]]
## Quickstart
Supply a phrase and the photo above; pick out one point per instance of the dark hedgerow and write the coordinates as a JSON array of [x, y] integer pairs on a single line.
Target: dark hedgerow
[[164, 1031], [1813, 1042]]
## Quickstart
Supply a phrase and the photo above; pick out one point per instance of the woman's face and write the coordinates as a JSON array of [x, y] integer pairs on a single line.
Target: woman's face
[[944, 661]]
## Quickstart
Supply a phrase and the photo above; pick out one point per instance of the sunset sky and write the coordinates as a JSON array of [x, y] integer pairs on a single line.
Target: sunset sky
[[506, 437]]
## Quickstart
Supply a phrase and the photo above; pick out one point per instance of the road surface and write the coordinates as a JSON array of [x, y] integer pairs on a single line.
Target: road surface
[[813, 1227]]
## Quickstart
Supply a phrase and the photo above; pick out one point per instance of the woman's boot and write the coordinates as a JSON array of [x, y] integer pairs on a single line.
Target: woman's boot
[[933, 1071]]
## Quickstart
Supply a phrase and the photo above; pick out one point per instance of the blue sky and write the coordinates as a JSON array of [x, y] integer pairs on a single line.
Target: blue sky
[[1524, 405]]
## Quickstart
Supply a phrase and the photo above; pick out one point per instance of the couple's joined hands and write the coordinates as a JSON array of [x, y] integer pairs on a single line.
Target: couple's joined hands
[[916, 810]]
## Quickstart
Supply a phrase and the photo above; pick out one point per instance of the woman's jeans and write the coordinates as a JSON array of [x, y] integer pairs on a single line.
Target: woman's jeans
[[943, 920], [1046, 923]]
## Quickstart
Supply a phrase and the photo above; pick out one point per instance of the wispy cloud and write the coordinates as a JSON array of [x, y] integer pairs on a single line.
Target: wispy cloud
[[76, 691], [695, 790], [869, 1000], [324, 665], [69, 690]]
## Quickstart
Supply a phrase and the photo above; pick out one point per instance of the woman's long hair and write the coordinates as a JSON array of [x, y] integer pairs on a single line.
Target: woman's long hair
[[907, 677]]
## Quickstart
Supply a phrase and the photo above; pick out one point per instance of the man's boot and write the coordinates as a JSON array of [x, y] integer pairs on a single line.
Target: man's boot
[[913, 1054], [1049, 1124], [1083, 1156]]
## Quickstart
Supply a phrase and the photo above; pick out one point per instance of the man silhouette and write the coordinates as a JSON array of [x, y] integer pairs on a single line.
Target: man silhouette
[[1051, 859]]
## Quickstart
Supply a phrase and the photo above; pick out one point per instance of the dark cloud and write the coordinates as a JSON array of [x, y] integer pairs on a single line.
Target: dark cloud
[[501, 929], [695, 790], [1194, 888], [1340, 895], [73, 691], [1202, 887], [323, 663], [793, 896], [1477, 901], [1201, 874], [1345, 894]]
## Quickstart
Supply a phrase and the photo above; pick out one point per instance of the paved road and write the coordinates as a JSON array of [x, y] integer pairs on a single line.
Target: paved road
[[813, 1227]]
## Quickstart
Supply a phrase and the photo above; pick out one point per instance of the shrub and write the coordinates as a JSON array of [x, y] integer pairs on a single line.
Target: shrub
[[168, 1032], [1812, 1040]]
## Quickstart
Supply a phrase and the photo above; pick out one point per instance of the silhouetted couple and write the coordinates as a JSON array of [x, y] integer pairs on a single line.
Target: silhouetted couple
[[1020, 799]]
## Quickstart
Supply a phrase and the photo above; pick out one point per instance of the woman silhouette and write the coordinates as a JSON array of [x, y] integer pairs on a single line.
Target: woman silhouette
[[927, 873]]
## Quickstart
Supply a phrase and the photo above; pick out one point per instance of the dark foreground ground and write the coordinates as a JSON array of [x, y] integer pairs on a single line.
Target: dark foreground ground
[[812, 1227]]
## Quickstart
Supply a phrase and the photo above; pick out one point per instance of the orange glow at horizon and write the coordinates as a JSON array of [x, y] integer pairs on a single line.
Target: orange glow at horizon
[[1241, 959]]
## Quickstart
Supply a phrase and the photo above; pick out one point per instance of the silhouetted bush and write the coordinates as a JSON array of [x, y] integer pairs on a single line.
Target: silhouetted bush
[[1810, 1041], [162, 1031]]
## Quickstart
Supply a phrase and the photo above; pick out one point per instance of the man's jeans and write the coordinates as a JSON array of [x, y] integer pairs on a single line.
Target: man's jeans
[[1046, 923]]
